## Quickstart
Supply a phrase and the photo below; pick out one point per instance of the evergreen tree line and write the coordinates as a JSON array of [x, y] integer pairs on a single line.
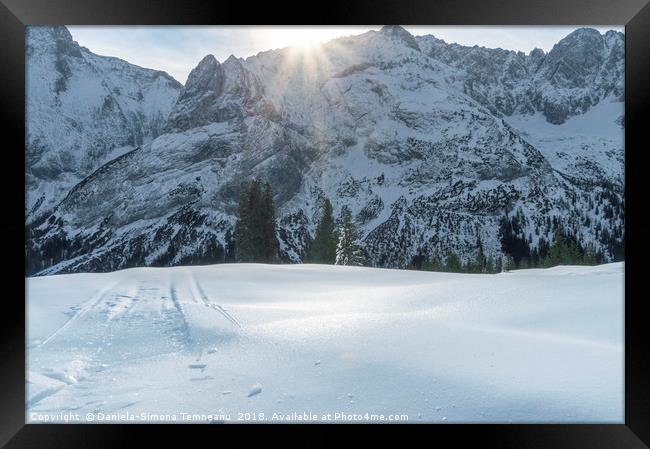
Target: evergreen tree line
[[480, 264], [565, 249], [337, 241], [255, 231]]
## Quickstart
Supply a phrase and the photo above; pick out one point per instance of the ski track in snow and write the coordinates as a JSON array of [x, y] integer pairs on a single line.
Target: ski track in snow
[[81, 312], [208, 303], [117, 304], [526, 346], [180, 315]]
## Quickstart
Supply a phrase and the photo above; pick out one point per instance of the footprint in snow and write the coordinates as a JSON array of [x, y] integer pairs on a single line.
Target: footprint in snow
[[255, 389], [194, 379]]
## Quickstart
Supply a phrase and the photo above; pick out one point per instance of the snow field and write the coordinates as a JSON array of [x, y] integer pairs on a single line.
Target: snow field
[[542, 345]]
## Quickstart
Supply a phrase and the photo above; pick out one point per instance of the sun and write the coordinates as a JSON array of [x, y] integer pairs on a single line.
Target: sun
[[298, 36]]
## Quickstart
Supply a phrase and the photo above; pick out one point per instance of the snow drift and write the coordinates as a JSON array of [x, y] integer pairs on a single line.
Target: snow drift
[[237, 341]]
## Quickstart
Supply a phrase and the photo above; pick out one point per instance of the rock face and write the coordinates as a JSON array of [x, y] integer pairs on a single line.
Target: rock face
[[82, 111], [432, 146], [579, 72]]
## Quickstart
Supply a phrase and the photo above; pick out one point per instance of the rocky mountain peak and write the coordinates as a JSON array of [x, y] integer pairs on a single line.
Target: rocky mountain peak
[[207, 62], [232, 59], [537, 53], [614, 35], [579, 54], [53, 39], [204, 85], [398, 33], [581, 34], [205, 76]]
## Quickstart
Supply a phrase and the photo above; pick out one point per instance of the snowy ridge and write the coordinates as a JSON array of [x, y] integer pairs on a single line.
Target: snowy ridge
[[580, 71], [83, 110], [414, 135]]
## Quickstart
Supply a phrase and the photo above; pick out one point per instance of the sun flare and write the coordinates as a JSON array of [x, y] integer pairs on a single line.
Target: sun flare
[[303, 37]]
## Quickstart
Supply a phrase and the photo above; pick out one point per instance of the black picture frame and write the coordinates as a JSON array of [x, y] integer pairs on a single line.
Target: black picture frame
[[15, 15]]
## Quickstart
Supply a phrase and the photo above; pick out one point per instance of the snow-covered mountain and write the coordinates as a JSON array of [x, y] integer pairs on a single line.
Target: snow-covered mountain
[[580, 71], [83, 110], [431, 145]]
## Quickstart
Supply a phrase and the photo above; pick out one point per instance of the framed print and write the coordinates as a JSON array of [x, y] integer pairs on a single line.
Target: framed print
[[436, 227]]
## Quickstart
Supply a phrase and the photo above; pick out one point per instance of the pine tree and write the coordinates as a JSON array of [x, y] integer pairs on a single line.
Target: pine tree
[[255, 239], [348, 251], [561, 253], [323, 248], [479, 263], [453, 263], [590, 257], [508, 263], [489, 267], [498, 265], [433, 264], [229, 253], [244, 245], [269, 240]]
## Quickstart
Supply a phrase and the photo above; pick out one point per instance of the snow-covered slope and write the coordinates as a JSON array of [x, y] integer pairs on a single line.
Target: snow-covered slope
[[83, 110], [525, 346], [384, 123], [588, 147]]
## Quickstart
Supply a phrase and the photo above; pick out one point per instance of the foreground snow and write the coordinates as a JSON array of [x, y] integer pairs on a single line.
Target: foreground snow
[[228, 342]]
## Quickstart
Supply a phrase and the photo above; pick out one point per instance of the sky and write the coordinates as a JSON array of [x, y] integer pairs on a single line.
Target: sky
[[178, 49]]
